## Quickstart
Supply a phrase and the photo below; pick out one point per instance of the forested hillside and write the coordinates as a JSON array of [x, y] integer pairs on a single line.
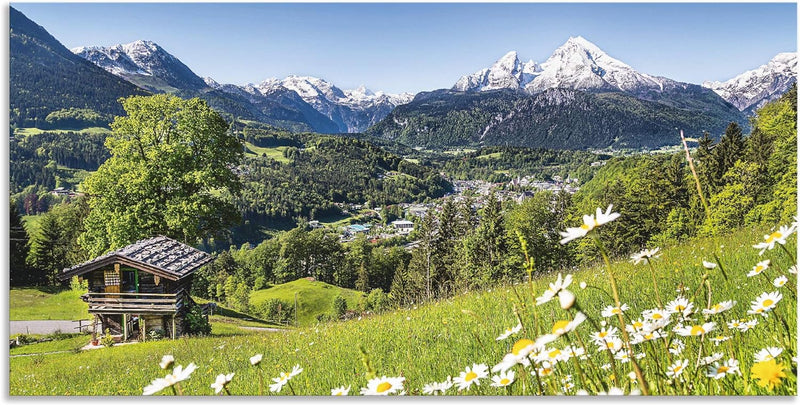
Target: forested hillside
[[46, 78], [556, 119]]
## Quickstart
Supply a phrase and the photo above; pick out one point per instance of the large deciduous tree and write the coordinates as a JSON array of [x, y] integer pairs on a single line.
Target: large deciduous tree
[[171, 172]]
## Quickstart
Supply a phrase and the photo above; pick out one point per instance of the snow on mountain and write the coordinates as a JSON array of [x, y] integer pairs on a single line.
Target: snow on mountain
[[506, 73], [143, 63], [351, 110], [754, 88], [578, 64]]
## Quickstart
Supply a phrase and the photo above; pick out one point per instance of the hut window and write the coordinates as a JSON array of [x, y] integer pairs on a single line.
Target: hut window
[[111, 277]]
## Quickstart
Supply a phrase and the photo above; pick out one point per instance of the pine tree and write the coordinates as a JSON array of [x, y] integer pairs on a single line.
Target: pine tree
[[46, 255], [728, 151], [18, 249]]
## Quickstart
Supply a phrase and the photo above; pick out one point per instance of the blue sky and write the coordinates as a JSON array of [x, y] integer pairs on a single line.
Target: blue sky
[[417, 47]]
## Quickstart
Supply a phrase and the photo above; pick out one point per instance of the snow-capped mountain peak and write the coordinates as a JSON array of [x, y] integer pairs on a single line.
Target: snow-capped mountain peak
[[143, 58], [507, 73], [577, 64], [754, 88]]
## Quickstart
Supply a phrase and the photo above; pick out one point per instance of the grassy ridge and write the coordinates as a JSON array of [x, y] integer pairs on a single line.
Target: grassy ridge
[[436, 340], [38, 304], [313, 298]]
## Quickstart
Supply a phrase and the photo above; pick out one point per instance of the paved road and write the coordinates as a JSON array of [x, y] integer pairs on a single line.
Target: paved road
[[44, 327]]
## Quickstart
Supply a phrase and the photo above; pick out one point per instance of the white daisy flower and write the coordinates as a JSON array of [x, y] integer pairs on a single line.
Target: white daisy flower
[[341, 391], [383, 386], [166, 361], [645, 255], [780, 281], [589, 223], [778, 236], [746, 326], [711, 359], [718, 371], [720, 307], [611, 310], [561, 283], [510, 331], [709, 265], [255, 360], [680, 305], [471, 376], [676, 369], [719, 339], [767, 354], [604, 334], [503, 379], [519, 355], [758, 268], [177, 375], [221, 382], [435, 388], [696, 330], [676, 347], [765, 303]]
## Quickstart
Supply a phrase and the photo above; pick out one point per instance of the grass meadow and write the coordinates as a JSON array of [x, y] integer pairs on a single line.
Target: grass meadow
[[428, 343]]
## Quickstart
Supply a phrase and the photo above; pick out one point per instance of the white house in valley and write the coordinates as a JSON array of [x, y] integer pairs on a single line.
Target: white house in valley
[[403, 226]]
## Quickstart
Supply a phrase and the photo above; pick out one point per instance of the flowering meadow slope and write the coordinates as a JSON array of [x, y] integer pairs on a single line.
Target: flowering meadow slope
[[695, 326]]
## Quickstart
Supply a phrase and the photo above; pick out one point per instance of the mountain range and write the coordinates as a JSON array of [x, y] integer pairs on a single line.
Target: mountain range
[[579, 97], [754, 88], [288, 103]]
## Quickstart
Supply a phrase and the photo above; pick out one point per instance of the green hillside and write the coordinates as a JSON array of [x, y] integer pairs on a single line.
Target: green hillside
[[433, 341], [313, 298]]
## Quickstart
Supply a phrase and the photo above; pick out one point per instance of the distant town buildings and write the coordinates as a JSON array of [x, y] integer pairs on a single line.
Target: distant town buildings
[[403, 227]]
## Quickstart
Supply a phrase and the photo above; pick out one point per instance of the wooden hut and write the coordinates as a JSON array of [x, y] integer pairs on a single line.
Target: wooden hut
[[141, 287]]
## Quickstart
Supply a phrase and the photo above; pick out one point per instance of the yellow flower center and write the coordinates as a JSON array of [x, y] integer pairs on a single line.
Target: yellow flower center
[[560, 325], [470, 376], [648, 336], [383, 387], [610, 345], [521, 344], [602, 334], [677, 369], [768, 302], [680, 307], [758, 269], [340, 393], [505, 381], [657, 316], [616, 311], [697, 330], [722, 369], [546, 371], [638, 325], [554, 353], [716, 308], [585, 227], [773, 236]]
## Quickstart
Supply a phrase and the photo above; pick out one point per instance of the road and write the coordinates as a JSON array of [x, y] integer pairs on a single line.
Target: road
[[44, 327]]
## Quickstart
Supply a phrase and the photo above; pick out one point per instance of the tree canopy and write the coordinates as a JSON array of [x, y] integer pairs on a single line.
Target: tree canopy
[[171, 172]]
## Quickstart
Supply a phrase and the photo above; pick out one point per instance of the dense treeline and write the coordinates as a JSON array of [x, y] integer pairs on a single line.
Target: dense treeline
[[35, 159], [324, 170], [501, 163]]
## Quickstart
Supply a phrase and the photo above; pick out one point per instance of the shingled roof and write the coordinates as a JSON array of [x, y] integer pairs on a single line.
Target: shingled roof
[[161, 255]]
